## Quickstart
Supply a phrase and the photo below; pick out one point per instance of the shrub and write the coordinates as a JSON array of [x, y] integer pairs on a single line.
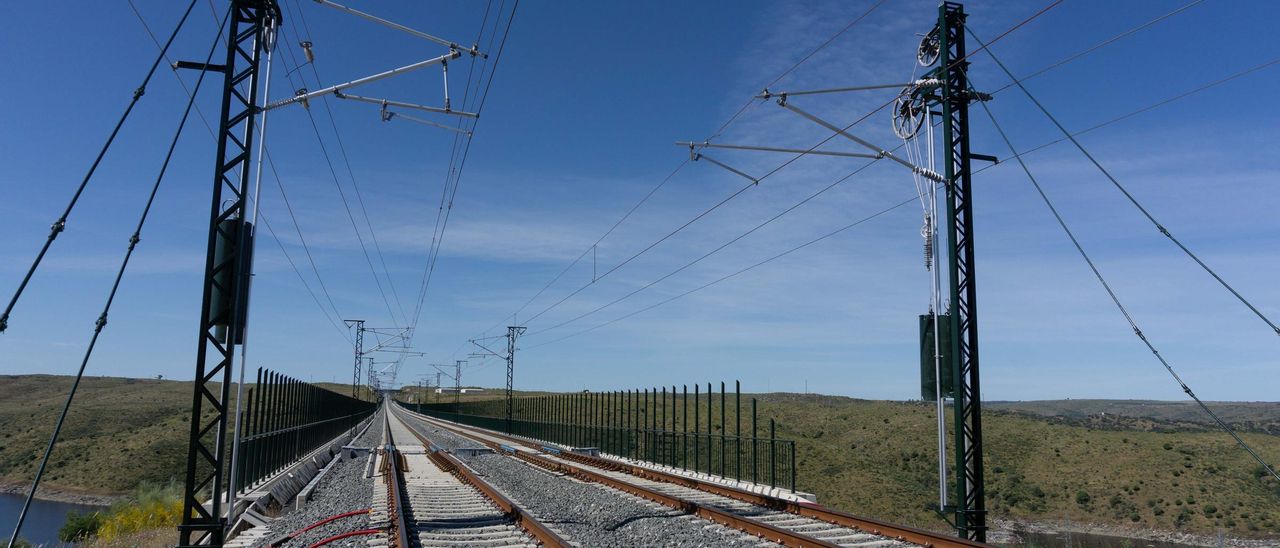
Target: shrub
[[150, 507], [80, 527], [1082, 497]]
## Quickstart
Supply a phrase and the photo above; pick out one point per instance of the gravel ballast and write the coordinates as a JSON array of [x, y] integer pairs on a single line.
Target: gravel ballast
[[587, 513], [342, 489]]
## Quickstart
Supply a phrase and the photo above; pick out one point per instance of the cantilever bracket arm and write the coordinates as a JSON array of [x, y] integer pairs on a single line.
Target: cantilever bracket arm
[[705, 144], [389, 103], [388, 115], [924, 82], [695, 156], [474, 50], [308, 95], [487, 349], [926, 173]]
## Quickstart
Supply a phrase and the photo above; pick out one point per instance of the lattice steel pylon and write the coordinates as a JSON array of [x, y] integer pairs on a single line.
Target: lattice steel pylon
[[221, 328], [970, 501], [513, 332], [359, 352]]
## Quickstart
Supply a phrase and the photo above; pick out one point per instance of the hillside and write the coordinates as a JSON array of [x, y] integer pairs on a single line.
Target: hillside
[[879, 458], [120, 432], [1156, 416], [1045, 461]]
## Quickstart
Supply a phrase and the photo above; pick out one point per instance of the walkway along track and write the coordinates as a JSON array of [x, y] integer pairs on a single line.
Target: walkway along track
[[433, 499], [786, 522]]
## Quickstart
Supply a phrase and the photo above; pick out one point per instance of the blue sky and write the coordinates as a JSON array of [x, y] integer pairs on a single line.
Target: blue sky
[[579, 126]]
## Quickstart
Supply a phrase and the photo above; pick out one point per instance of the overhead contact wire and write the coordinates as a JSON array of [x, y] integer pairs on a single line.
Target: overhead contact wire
[[209, 128], [1120, 306], [707, 211], [101, 322], [1160, 227], [342, 148], [750, 101]]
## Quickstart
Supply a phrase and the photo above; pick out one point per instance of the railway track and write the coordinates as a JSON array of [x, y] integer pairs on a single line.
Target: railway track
[[785, 522], [428, 498]]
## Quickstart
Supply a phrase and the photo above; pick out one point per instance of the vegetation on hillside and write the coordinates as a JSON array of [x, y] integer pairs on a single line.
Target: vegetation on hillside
[[1044, 463], [119, 434], [880, 459]]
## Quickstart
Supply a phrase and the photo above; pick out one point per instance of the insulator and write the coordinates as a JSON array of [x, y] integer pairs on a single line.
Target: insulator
[[927, 234], [306, 48]]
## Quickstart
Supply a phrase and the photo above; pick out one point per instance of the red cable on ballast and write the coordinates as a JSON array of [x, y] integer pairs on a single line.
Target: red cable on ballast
[[295, 534], [345, 535]]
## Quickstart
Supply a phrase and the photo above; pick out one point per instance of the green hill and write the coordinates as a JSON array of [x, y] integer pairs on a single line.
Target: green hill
[[120, 432], [879, 458], [1148, 465]]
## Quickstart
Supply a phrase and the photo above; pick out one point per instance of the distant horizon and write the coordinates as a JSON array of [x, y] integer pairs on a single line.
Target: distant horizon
[[813, 393]]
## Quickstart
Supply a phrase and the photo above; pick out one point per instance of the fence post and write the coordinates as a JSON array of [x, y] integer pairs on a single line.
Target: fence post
[[755, 467], [697, 422], [737, 431], [710, 451], [684, 425], [793, 466], [773, 454], [724, 431]]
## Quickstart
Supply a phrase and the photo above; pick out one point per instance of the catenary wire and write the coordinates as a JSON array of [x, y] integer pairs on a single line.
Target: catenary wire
[[1101, 44], [1136, 112], [60, 225], [342, 149], [467, 98], [1101, 125], [1152, 106], [1120, 306], [346, 206], [707, 211], [1002, 35], [279, 186], [1160, 227], [685, 162], [753, 266], [732, 241], [101, 322], [467, 147]]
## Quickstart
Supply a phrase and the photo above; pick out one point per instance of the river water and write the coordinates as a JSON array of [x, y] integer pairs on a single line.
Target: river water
[[43, 519]]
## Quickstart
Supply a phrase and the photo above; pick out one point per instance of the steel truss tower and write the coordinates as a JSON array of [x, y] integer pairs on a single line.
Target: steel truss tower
[[970, 502], [513, 332], [225, 273], [359, 346]]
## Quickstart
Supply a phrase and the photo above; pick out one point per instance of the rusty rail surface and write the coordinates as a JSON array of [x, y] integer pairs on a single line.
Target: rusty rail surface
[[393, 474], [522, 518], [913, 535]]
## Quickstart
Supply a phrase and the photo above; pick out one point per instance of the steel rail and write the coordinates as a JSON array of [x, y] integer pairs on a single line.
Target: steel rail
[[393, 475], [810, 510], [521, 517]]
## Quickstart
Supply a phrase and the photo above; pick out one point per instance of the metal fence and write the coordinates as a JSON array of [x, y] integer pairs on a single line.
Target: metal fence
[[284, 419], [702, 432]]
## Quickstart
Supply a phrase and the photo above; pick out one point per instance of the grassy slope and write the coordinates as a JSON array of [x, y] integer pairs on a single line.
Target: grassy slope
[[119, 432], [868, 457], [879, 458]]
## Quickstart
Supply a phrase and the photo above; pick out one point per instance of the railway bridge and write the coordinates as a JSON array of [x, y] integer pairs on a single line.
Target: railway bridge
[[411, 475]]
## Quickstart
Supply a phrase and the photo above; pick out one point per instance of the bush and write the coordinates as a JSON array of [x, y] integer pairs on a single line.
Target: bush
[[80, 527], [1082, 497], [150, 507]]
